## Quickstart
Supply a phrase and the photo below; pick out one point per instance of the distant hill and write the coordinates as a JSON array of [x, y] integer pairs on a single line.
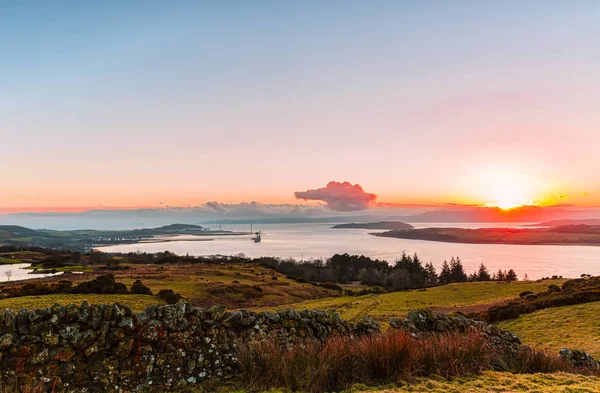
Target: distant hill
[[390, 225], [560, 223], [16, 230], [84, 240], [583, 235]]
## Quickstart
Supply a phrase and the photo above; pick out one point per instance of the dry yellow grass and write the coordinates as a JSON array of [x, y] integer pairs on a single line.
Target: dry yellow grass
[[551, 329]]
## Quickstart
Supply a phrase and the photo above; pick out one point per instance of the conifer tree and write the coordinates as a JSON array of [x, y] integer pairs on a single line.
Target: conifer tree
[[430, 274], [457, 271], [483, 274], [511, 275], [444, 277]]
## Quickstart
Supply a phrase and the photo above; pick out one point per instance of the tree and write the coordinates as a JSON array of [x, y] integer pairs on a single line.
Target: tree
[[525, 277], [500, 275], [444, 277], [8, 274], [431, 276], [457, 271], [511, 275], [483, 274]]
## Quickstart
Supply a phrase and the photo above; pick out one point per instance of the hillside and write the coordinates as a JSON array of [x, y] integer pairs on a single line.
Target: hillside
[[554, 328], [465, 297]]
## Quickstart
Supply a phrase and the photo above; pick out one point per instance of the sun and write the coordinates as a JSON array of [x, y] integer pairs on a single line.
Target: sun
[[505, 187]]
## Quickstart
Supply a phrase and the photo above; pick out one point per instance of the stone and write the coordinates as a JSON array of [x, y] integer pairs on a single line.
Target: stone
[[232, 319], [7, 340], [217, 312], [62, 354], [125, 346], [579, 358], [39, 357]]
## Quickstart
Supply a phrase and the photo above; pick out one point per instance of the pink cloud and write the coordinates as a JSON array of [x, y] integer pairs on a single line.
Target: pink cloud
[[339, 196]]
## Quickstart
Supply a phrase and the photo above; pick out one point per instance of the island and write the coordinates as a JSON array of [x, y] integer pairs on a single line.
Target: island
[[559, 223], [579, 235], [393, 225], [87, 239]]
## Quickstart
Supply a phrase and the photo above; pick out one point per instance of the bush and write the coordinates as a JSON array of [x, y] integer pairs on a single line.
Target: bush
[[140, 289], [104, 284], [573, 292], [169, 296]]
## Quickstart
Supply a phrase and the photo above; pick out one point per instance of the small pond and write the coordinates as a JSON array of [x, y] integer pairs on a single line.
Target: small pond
[[20, 273]]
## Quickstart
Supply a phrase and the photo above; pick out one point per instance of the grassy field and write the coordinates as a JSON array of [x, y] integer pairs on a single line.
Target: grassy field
[[551, 329], [488, 382], [501, 383], [465, 297], [235, 285], [137, 302]]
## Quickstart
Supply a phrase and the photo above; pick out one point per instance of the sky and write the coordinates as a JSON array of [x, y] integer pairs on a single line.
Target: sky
[[178, 103]]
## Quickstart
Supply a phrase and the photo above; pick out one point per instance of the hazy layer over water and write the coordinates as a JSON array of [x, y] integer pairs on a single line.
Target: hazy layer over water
[[321, 241]]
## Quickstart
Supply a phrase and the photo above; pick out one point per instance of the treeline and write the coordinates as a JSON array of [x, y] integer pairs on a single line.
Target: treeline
[[408, 272]]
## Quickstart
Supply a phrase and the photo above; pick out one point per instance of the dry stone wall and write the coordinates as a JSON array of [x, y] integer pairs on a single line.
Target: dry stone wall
[[110, 348]]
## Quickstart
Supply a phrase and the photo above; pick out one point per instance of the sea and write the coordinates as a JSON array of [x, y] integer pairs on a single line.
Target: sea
[[312, 241]]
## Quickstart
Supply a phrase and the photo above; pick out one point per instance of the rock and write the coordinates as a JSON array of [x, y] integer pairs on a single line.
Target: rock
[[49, 337], [62, 354], [232, 319], [153, 331], [217, 312], [579, 358], [125, 346], [39, 357], [7, 340]]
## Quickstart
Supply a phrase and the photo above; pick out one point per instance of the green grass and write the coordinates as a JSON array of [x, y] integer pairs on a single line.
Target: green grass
[[551, 329], [137, 302], [39, 269], [466, 297], [8, 261]]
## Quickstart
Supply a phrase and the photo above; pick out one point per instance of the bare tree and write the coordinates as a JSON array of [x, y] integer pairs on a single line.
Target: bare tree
[[8, 274]]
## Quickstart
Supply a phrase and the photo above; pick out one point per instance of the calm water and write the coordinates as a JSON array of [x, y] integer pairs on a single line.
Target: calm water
[[19, 272], [321, 241]]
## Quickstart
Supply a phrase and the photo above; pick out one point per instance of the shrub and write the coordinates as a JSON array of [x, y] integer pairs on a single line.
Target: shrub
[[573, 292], [104, 284], [169, 296], [140, 289], [553, 288], [525, 293]]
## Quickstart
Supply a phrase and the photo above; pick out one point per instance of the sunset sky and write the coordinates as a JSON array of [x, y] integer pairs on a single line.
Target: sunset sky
[[153, 103]]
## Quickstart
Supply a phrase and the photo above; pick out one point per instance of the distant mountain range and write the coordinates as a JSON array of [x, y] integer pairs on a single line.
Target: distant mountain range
[[256, 213]]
